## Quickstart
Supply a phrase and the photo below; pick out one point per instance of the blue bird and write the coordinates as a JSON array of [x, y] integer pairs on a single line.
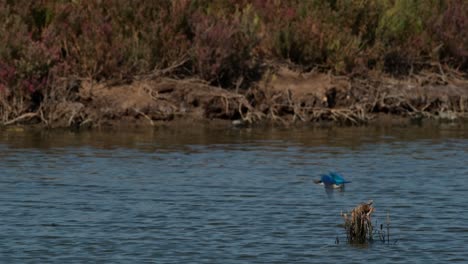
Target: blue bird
[[332, 180], [338, 178]]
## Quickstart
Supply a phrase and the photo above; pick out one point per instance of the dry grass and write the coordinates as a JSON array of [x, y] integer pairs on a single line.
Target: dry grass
[[358, 223]]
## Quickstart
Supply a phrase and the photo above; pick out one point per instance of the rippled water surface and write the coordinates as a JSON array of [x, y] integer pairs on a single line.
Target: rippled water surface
[[223, 195]]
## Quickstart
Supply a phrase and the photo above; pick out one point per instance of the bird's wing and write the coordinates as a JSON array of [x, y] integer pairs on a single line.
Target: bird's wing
[[338, 178], [327, 180]]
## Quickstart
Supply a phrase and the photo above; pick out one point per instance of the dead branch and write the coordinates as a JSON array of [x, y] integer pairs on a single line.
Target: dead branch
[[20, 118], [144, 115], [163, 72]]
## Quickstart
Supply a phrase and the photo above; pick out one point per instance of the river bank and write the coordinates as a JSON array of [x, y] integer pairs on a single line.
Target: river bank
[[281, 97], [83, 64]]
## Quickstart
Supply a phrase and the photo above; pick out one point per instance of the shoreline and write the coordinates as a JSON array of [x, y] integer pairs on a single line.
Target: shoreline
[[85, 64], [281, 98]]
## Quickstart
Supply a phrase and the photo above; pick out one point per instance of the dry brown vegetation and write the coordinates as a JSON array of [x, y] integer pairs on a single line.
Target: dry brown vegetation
[[358, 223], [283, 97]]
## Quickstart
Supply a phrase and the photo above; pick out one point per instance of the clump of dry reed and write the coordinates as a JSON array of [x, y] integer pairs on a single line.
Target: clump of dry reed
[[358, 223]]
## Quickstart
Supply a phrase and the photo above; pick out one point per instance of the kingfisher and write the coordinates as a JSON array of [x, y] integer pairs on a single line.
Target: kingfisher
[[332, 180]]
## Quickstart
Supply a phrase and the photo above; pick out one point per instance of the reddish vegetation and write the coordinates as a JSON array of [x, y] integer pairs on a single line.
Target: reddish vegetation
[[51, 49]]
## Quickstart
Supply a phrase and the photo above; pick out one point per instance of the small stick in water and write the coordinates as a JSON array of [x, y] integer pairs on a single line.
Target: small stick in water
[[388, 227]]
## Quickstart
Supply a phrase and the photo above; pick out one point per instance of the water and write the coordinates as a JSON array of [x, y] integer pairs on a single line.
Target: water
[[221, 195]]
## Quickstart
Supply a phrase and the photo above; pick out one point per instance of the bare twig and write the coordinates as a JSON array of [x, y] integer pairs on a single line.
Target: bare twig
[[388, 227]]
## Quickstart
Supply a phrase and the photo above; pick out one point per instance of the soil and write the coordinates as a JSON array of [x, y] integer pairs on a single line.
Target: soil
[[283, 96]]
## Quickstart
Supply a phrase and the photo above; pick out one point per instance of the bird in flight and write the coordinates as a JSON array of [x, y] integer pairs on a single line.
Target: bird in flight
[[332, 180]]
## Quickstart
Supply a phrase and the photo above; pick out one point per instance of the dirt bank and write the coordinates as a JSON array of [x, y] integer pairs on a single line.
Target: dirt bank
[[282, 96]]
